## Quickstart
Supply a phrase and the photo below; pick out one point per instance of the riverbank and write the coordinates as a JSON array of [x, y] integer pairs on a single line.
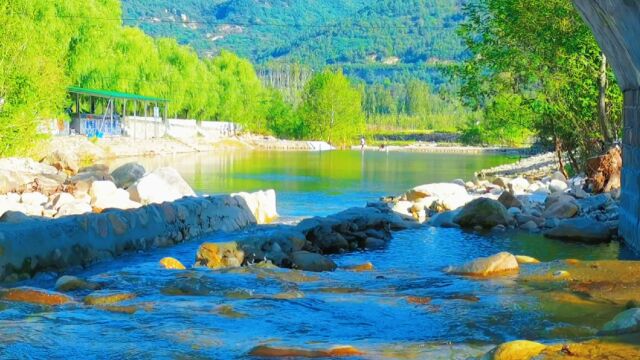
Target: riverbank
[[87, 151]]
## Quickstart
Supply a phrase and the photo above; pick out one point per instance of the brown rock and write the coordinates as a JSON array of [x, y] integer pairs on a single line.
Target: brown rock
[[35, 296]]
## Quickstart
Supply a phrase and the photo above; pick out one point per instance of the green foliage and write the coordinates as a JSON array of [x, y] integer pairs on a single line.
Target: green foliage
[[32, 81], [535, 63], [332, 109], [354, 35]]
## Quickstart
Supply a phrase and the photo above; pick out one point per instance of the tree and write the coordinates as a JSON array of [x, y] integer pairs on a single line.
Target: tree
[[332, 109], [541, 51], [32, 78]]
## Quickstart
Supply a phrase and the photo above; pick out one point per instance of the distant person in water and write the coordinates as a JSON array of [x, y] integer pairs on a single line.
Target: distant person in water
[[363, 143]]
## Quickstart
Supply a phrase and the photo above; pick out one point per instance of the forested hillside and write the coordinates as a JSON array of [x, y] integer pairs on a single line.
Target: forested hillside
[[371, 39]]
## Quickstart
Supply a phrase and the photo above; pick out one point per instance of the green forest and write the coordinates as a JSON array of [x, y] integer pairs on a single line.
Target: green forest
[[497, 72]]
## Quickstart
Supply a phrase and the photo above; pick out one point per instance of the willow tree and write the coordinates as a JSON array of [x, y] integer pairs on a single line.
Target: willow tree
[[332, 109], [32, 79]]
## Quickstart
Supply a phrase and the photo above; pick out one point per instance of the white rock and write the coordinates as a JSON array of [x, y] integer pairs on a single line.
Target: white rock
[[503, 262], [519, 185], [163, 184], [60, 199], [74, 208], [262, 205], [34, 198], [105, 195], [403, 208], [451, 196], [101, 190], [556, 186]]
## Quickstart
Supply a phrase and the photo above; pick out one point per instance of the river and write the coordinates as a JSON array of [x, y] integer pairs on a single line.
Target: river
[[203, 314]]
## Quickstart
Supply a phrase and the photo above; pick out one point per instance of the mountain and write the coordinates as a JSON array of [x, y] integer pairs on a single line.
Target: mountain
[[367, 38]]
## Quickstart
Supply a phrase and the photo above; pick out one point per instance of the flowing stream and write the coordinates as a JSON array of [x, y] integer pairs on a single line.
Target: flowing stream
[[202, 314]]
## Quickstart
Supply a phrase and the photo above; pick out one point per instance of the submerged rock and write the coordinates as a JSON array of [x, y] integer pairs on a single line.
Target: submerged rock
[[515, 350], [501, 263], [170, 263], [220, 255], [107, 297], [523, 259], [580, 229], [71, 283], [34, 296], [307, 261], [338, 351], [483, 212]]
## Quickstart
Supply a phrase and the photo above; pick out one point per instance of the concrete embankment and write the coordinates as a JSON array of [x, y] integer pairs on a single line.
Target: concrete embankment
[[29, 245]]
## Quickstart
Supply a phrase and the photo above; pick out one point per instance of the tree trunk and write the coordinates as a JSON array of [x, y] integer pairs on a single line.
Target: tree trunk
[[602, 103], [560, 162]]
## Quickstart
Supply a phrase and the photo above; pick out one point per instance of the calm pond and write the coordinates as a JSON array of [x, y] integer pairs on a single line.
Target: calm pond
[[203, 314]]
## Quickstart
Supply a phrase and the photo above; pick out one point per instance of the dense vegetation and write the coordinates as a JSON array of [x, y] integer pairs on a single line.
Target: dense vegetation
[[536, 68], [370, 39], [54, 45]]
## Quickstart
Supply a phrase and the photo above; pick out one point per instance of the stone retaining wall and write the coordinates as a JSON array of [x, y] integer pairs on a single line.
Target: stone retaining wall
[[31, 245]]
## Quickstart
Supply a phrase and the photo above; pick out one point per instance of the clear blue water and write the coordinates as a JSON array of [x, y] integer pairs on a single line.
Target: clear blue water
[[368, 310]]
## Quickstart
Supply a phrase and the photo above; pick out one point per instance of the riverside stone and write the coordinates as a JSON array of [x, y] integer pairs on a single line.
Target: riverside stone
[[262, 205], [626, 322], [557, 186], [161, 185], [127, 174], [34, 198], [339, 351], [580, 229], [483, 212], [509, 201], [452, 196], [561, 210], [497, 264], [518, 185]]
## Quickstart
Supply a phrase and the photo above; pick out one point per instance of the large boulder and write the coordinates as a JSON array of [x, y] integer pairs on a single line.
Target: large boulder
[[160, 185], [483, 212], [262, 205], [501, 263], [308, 261], [127, 174], [451, 195], [105, 195], [580, 229]]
